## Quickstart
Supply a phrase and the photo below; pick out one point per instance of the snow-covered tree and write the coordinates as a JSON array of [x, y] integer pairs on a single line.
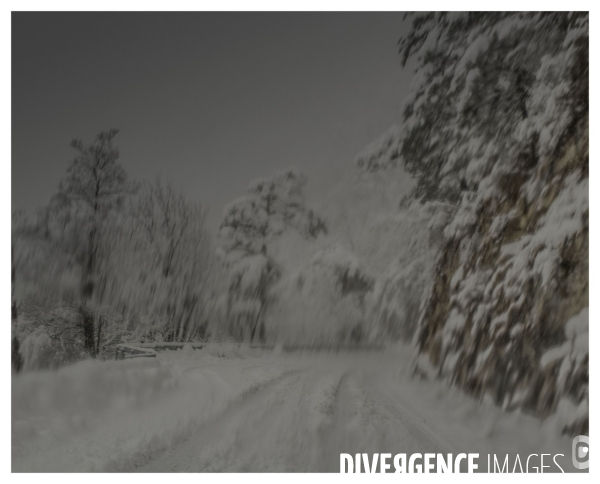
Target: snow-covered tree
[[474, 80], [168, 256], [62, 252], [496, 126], [88, 198], [322, 301], [270, 208]]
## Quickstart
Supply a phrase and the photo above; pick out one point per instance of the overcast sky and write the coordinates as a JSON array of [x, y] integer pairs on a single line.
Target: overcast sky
[[209, 100]]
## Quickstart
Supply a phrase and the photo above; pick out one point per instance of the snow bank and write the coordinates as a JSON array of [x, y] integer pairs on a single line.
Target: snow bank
[[112, 416], [37, 351], [54, 403]]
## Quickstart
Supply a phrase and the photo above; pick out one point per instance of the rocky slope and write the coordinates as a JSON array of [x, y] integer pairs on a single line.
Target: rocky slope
[[506, 315], [495, 131]]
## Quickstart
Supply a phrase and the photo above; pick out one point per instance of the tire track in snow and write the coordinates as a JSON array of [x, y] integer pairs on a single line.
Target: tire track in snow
[[426, 440], [217, 442], [361, 424], [331, 436]]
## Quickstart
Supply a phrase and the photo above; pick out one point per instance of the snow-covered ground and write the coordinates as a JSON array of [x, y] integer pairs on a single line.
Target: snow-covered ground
[[228, 409]]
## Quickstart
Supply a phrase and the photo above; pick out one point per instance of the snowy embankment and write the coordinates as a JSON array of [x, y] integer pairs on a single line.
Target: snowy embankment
[[111, 416]]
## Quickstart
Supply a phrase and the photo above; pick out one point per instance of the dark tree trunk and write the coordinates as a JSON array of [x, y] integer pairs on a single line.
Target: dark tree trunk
[[99, 334], [87, 323], [16, 359], [15, 356]]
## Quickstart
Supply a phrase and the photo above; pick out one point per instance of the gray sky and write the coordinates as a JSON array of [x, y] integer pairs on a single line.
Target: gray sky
[[209, 100]]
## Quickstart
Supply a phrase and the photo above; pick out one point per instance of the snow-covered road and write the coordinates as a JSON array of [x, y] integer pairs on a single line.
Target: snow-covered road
[[190, 411], [300, 421]]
